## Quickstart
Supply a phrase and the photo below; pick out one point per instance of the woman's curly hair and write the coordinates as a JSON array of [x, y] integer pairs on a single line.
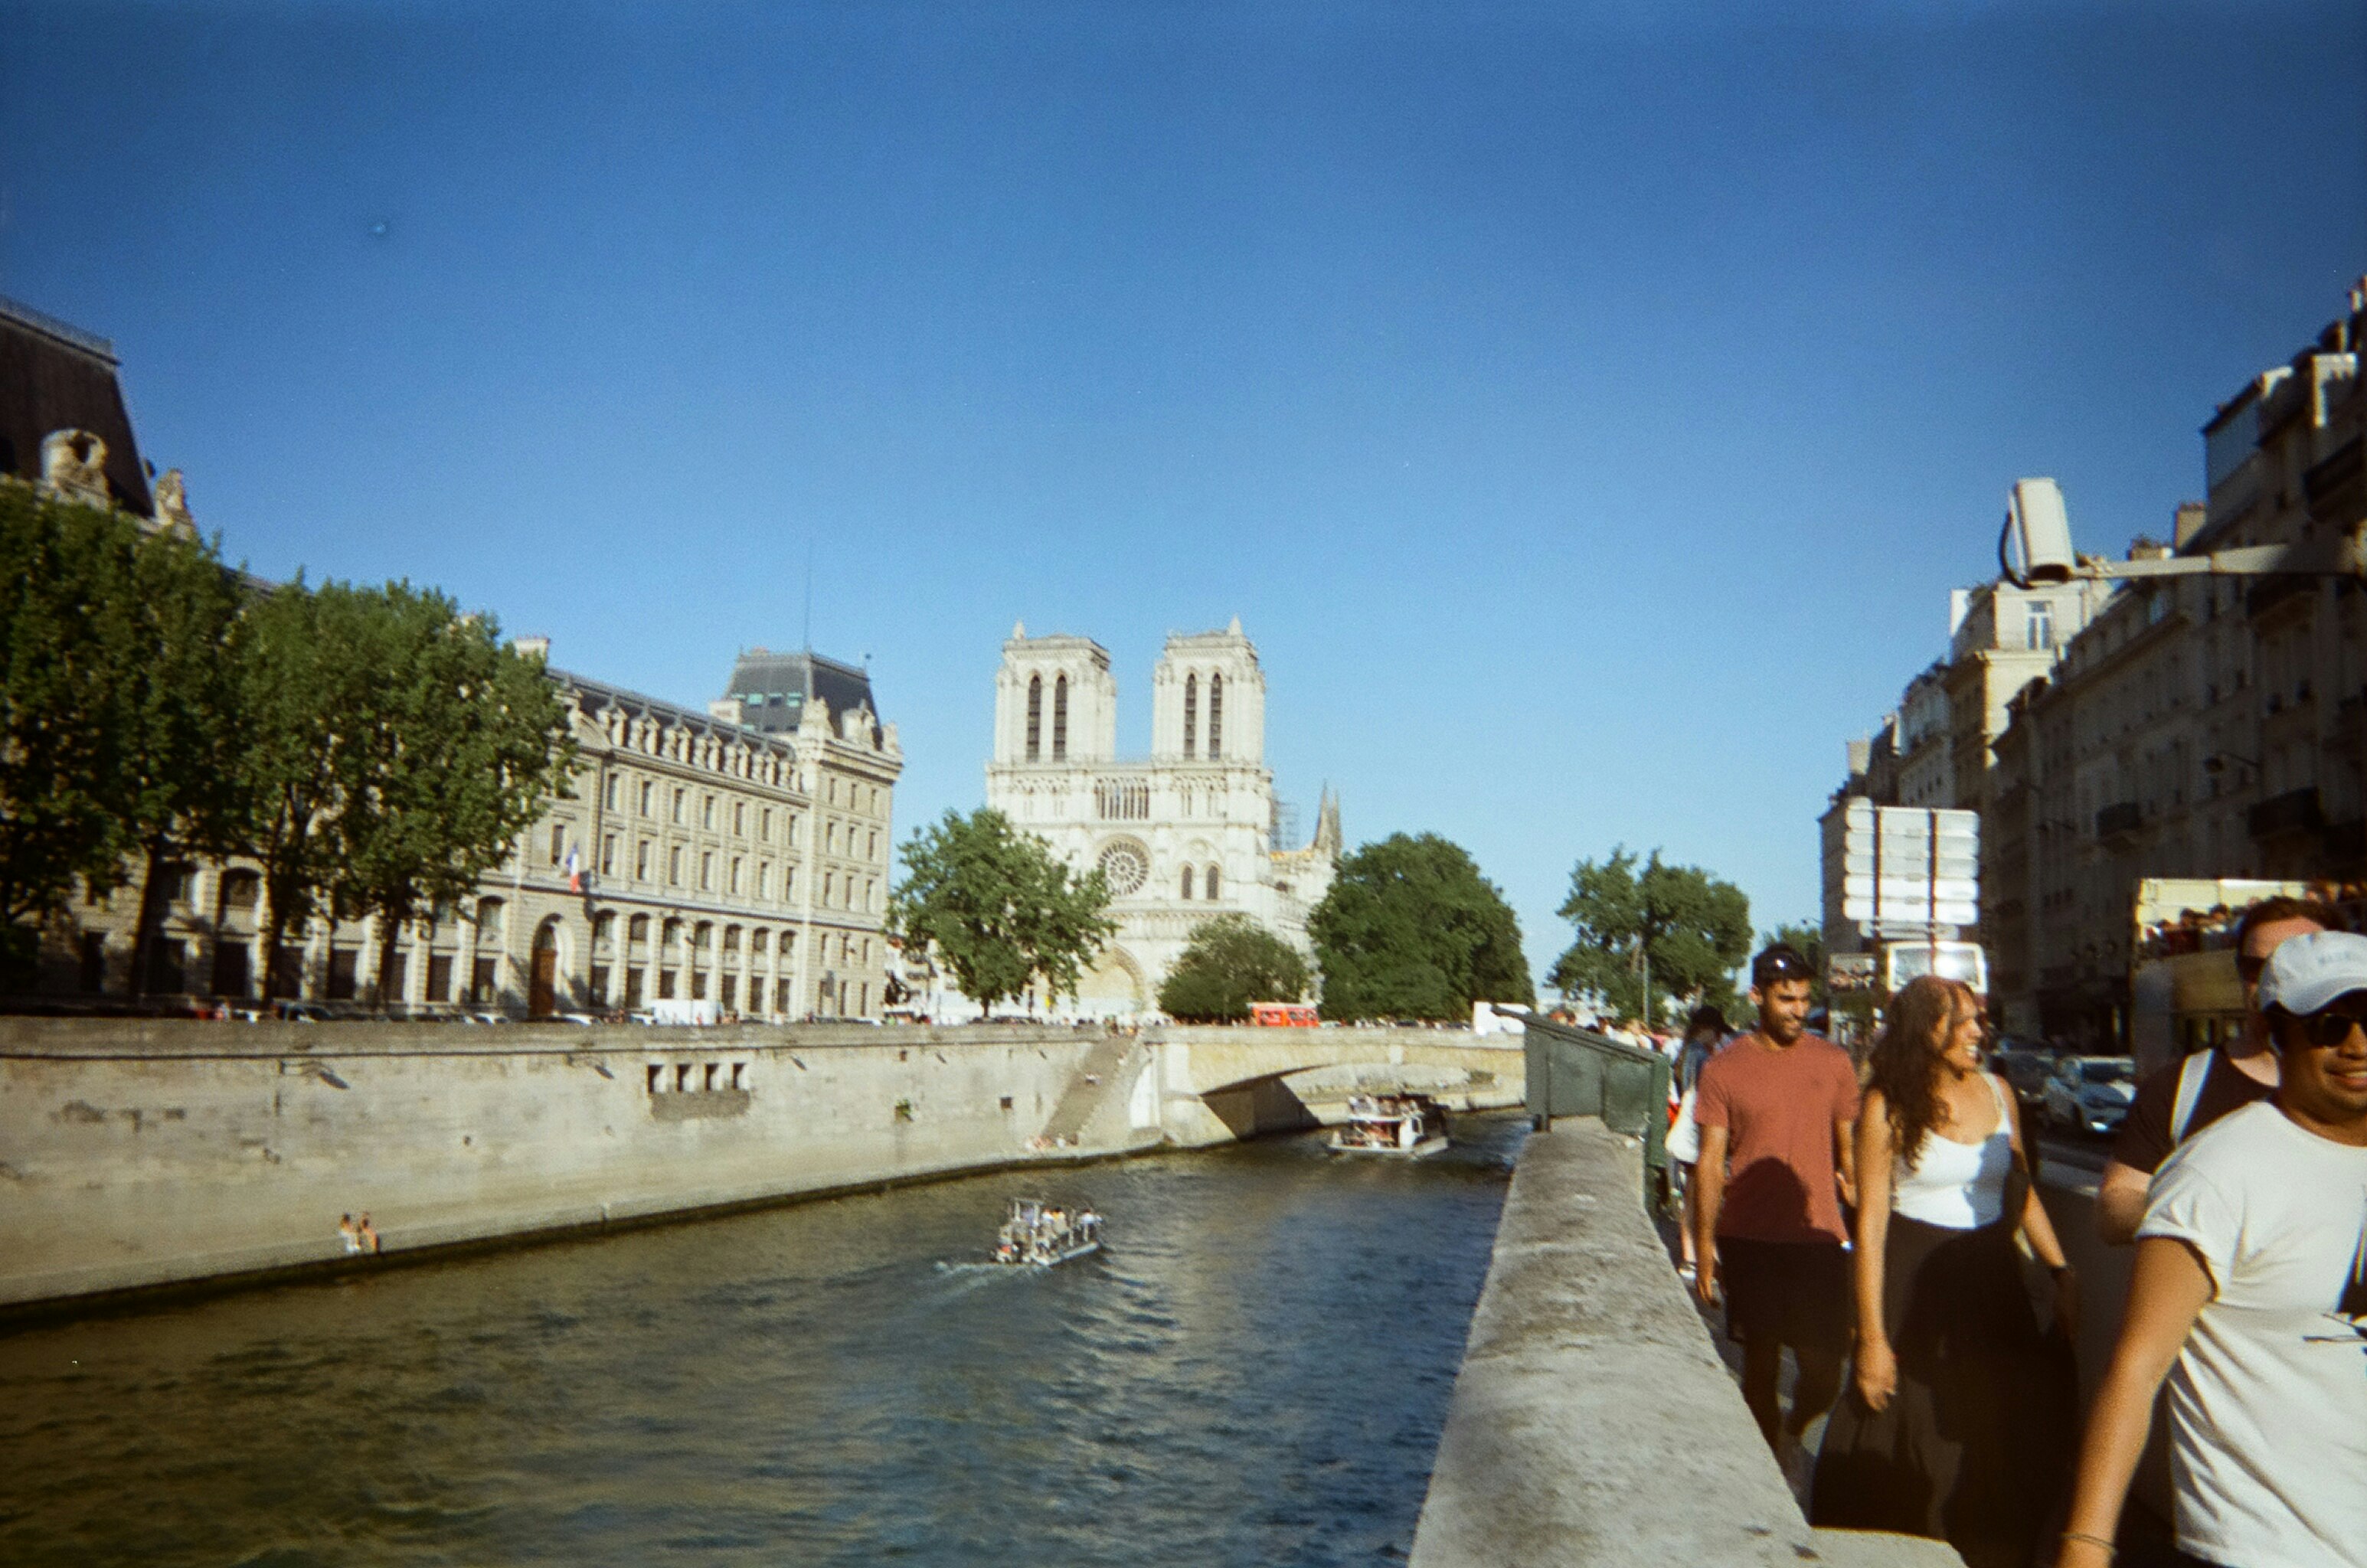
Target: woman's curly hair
[[1904, 1064]]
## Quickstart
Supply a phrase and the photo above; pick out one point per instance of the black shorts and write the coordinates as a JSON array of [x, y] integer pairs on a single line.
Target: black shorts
[[1795, 1292]]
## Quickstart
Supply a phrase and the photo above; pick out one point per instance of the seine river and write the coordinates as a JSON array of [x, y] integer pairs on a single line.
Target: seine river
[[1254, 1370]]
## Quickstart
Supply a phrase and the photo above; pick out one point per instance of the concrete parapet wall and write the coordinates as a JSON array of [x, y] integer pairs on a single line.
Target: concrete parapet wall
[[1592, 1422], [139, 1153]]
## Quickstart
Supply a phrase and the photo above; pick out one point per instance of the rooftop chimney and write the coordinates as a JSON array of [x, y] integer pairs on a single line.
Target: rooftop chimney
[[2190, 519]]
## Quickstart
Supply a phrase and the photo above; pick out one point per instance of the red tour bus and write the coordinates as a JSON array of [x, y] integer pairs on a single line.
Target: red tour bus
[[1283, 1015]]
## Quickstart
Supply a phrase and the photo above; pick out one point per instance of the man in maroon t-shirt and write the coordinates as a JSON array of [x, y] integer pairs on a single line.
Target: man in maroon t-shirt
[[1776, 1111]]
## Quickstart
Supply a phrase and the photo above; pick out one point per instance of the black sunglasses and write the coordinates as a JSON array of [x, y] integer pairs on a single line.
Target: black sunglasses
[[1781, 967], [2248, 968], [2331, 1028]]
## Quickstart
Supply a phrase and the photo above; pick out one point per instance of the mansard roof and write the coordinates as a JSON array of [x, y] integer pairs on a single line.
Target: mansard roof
[[597, 695], [55, 377], [773, 688]]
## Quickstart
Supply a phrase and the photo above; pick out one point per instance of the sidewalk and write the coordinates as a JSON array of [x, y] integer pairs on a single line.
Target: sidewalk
[[1593, 1421]]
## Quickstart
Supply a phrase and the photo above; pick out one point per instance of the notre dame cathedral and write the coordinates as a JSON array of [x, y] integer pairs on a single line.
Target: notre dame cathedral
[[1189, 831]]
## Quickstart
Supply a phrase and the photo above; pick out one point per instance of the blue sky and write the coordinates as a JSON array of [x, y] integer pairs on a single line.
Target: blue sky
[[1586, 408]]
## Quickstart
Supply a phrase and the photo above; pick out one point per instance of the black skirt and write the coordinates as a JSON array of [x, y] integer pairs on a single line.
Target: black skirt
[[1976, 1446]]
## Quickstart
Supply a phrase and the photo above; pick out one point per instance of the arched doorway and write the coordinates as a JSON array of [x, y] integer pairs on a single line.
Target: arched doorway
[[542, 988]]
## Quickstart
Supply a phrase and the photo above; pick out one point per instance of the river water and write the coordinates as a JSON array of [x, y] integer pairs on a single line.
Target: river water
[[1254, 1370]]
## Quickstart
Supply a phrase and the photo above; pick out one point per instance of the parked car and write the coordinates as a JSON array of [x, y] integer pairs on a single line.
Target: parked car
[[2025, 1069], [2089, 1094]]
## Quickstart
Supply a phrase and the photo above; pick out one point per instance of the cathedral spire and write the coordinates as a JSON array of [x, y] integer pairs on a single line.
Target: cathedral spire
[[1327, 825]]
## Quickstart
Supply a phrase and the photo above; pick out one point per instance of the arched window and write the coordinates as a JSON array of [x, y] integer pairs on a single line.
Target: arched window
[[638, 930], [673, 935], [604, 930], [1191, 716], [1211, 883], [1061, 719], [1034, 718], [1187, 883], [1216, 716]]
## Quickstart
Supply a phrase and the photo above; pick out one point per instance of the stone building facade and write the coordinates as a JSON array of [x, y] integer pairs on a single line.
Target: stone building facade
[[2192, 725], [738, 856], [1938, 750], [2202, 726], [693, 858], [1182, 834]]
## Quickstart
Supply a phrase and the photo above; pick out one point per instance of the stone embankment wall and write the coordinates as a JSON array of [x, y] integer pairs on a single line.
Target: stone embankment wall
[[138, 1154], [1592, 1422]]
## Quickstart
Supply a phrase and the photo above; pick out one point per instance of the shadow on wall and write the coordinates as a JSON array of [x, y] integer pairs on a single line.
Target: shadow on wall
[[1258, 1106]]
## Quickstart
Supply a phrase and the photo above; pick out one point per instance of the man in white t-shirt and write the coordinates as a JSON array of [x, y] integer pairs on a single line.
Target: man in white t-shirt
[[2251, 1278]]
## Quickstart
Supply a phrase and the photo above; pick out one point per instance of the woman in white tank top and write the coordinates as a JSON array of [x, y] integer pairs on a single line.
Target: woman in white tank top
[[1963, 1412]]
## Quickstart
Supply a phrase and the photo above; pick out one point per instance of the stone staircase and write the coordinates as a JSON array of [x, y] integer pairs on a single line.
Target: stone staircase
[[1097, 1078]]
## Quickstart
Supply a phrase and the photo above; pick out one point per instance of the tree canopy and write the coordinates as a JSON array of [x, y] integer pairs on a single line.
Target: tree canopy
[[373, 748], [998, 907], [1409, 928], [1692, 927], [462, 742], [1231, 962], [114, 701]]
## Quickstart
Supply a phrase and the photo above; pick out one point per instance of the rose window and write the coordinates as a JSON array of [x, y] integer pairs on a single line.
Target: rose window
[[1125, 868]]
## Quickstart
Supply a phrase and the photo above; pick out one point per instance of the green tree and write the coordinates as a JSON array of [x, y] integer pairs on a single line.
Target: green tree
[[392, 750], [998, 907], [116, 706], [459, 746], [1231, 962], [176, 688], [60, 744], [1409, 928], [294, 656], [1688, 927]]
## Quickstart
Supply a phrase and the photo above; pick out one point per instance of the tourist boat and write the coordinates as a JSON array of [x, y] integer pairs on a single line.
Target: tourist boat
[[1407, 1125], [1037, 1235]]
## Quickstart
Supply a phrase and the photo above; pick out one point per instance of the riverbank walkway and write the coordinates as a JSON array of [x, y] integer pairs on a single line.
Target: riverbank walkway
[[1592, 1422]]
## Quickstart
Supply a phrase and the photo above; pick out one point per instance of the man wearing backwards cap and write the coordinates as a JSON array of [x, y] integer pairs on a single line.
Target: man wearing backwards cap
[[2250, 1293]]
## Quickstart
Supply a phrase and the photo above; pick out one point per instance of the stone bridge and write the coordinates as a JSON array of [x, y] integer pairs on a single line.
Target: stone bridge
[[1197, 1086]]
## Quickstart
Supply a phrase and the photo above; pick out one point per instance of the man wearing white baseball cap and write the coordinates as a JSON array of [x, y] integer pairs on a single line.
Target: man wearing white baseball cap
[[2249, 1294]]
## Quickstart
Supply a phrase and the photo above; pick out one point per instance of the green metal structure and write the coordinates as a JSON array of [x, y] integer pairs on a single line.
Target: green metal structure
[[1577, 1072]]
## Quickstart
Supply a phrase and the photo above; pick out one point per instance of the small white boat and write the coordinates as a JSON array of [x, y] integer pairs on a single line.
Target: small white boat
[[1039, 1235], [1406, 1125]]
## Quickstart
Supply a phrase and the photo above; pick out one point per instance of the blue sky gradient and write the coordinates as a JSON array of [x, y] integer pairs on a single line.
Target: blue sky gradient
[[1586, 410]]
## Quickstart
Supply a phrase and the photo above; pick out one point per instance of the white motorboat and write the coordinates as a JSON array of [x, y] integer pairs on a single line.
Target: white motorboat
[[1038, 1235], [1406, 1125]]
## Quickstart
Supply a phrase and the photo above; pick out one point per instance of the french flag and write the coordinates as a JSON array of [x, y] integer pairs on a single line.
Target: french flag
[[574, 870]]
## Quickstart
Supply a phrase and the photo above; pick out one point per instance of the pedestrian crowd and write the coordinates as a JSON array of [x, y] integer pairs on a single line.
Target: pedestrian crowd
[[1879, 1224]]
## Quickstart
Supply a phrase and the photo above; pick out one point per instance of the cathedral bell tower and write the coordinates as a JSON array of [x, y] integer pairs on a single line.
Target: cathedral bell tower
[[1207, 699], [1055, 700]]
